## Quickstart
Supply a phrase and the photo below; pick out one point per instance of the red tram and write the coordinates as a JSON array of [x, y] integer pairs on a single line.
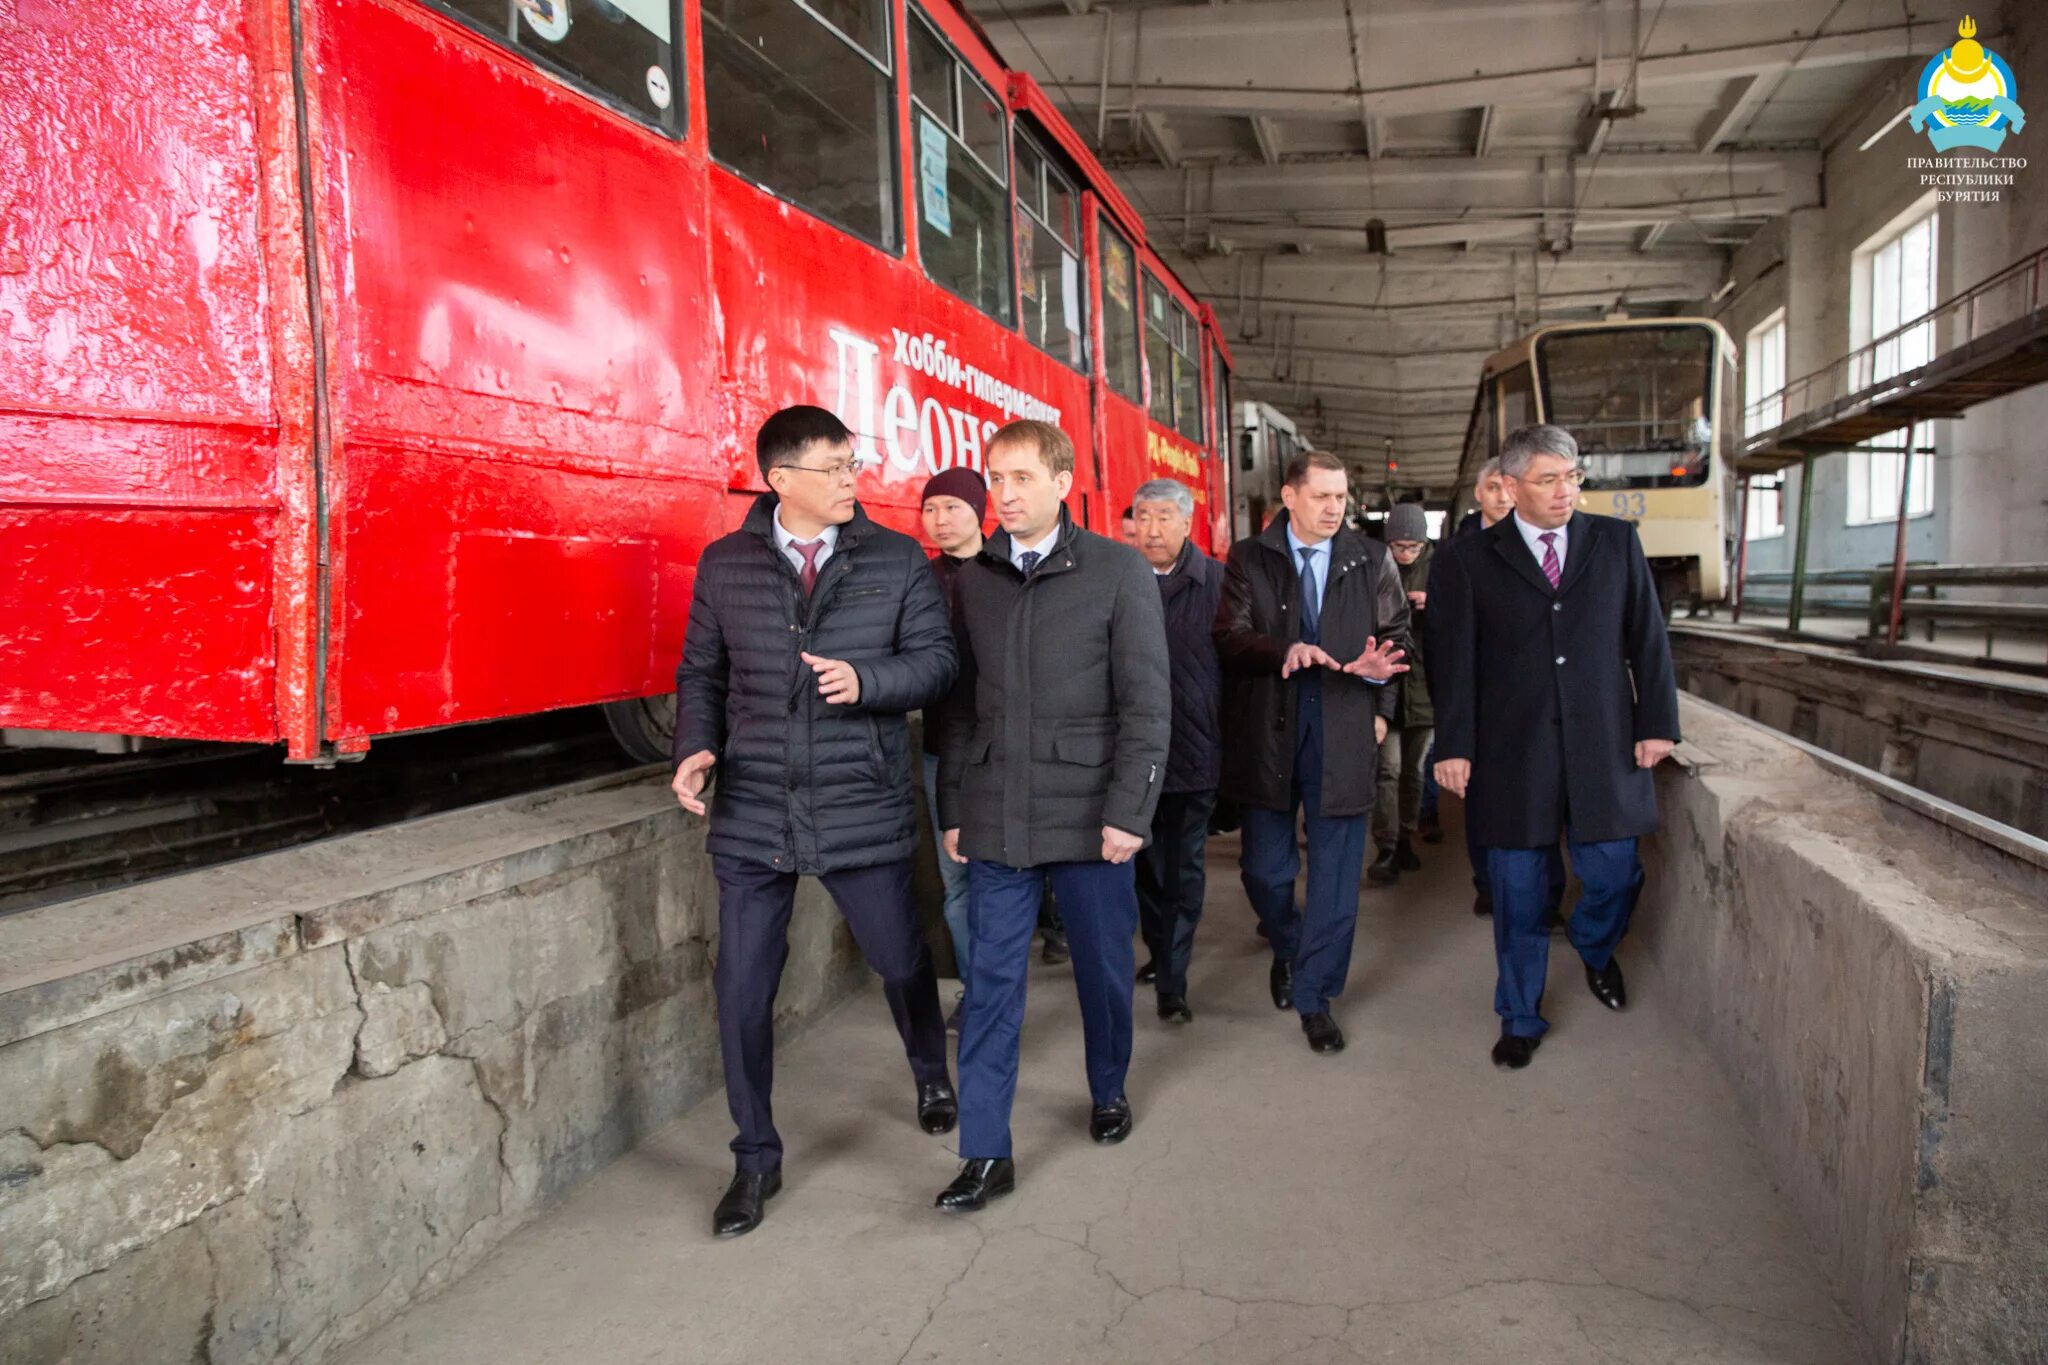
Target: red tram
[[377, 365]]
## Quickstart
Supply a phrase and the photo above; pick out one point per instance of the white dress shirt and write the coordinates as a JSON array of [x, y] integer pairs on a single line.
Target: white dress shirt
[[1534, 536], [787, 542], [1043, 548]]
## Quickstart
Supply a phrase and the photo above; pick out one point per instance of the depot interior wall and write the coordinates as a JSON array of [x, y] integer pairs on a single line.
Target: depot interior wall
[[353, 1069], [1989, 498]]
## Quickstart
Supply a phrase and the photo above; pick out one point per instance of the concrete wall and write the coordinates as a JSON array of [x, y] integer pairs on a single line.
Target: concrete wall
[[1989, 500], [250, 1113], [1877, 988]]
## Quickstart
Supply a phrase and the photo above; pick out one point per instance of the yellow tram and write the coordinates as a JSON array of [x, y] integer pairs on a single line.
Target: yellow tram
[[1647, 399]]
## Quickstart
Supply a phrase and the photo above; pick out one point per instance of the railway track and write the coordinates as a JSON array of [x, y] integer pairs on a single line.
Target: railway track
[[72, 824], [1973, 737]]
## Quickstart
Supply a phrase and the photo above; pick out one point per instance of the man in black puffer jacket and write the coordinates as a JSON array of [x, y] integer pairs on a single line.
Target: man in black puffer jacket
[[812, 632], [1171, 874]]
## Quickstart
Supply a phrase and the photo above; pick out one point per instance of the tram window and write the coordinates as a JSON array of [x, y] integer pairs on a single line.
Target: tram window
[[1120, 353], [1048, 252], [800, 105], [619, 50], [963, 216], [1159, 350], [1222, 396], [1637, 398], [1187, 379], [1517, 398]]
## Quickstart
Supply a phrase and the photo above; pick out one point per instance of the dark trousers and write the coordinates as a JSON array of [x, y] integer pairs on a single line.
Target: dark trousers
[[754, 905], [1172, 879], [1315, 938], [1099, 903], [1482, 880], [1610, 879]]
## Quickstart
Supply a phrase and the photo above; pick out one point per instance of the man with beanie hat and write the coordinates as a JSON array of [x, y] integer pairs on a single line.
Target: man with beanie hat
[[1397, 809], [955, 501]]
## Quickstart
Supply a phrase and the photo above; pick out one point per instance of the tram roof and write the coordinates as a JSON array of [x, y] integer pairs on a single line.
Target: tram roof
[[1520, 349]]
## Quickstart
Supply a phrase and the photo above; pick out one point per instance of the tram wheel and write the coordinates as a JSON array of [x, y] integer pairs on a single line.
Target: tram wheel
[[644, 727]]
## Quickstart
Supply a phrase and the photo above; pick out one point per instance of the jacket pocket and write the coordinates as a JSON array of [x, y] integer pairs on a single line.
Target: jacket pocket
[[876, 759], [1088, 750]]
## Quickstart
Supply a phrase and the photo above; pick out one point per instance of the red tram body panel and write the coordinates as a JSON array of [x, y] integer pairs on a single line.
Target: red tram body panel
[[369, 374]]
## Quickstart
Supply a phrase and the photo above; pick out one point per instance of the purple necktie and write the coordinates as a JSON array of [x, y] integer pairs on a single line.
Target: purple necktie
[[809, 550], [1552, 570]]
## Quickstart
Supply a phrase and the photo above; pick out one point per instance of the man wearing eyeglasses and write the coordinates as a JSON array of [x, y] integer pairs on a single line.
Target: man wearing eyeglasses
[[812, 632], [1554, 700]]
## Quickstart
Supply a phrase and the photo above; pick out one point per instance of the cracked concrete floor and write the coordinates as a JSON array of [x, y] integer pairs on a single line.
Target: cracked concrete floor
[[1400, 1201]]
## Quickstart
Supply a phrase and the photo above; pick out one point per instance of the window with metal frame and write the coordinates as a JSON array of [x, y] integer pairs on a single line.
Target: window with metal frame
[[620, 51], [1054, 279], [1176, 395], [1763, 376], [961, 132], [800, 99], [1222, 400], [1122, 362]]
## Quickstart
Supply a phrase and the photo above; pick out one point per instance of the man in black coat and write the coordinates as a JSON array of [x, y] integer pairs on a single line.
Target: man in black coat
[[1555, 698], [1049, 770], [1172, 877], [1312, 625], [812, 632]]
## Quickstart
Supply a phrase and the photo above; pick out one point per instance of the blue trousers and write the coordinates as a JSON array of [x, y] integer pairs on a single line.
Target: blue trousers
[[1316, 937], [754, 905], [1099, 903], [952, 875], [1610, 879], [1482, 880]]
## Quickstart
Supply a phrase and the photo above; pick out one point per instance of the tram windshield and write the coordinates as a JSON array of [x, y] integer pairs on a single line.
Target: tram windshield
[[1637, 398]]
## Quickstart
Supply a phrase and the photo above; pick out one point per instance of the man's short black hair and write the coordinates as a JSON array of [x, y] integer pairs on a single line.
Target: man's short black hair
[[784, 437], [1131, 512]]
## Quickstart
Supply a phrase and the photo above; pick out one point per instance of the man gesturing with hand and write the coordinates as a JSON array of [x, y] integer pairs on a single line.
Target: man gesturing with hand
[[1050, 769], [812, 631], [1312, 625]]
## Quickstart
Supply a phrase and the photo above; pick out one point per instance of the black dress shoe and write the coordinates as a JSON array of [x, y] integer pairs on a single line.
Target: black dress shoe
[[1281, 979], [1110, 1122], [1174, 1009], [1385, 869], [1606, 984], [740, 1210], [1482, 904], [1404, 856], [1513, 1052], [1148, 973], [1056, 950], [980, 1180], [938, 1108], [1431, 832], [1323, 1033]]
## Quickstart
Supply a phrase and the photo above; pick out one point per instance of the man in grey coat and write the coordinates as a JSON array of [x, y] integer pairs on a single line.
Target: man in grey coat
[[1049, 772]]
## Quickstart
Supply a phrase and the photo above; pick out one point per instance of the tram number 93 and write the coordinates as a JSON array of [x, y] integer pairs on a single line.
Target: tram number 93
[[1630, 505]]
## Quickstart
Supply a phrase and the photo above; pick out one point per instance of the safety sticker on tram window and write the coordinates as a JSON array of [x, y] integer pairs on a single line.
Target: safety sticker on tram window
[[657, 87], [1026, 251], [548, 18], [931, 162]]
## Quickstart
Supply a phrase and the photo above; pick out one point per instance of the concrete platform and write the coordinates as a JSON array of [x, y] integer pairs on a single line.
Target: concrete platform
[[1401, 1201]]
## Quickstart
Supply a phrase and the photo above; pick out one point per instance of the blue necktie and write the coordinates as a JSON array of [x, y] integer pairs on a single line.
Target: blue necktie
[[1311, 601], [1029, 561]]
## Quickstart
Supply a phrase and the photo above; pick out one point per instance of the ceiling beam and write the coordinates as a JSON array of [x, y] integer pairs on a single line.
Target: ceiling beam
[[1739, 103], [1193, 59], [1484, 139], [1267, 132], [1165, 143]]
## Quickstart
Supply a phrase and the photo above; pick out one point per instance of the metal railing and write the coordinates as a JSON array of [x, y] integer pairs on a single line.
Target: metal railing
[[1862, 374], [1871, 597]]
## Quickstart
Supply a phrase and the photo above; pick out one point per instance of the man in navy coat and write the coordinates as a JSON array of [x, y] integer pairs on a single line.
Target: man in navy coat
[[1555, 698]]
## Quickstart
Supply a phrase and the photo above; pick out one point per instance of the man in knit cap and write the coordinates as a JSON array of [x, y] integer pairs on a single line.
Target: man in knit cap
[[1397, 809], [955, 502]]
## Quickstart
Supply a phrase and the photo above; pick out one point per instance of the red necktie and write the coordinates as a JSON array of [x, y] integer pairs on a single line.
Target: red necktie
[[810, 549]]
